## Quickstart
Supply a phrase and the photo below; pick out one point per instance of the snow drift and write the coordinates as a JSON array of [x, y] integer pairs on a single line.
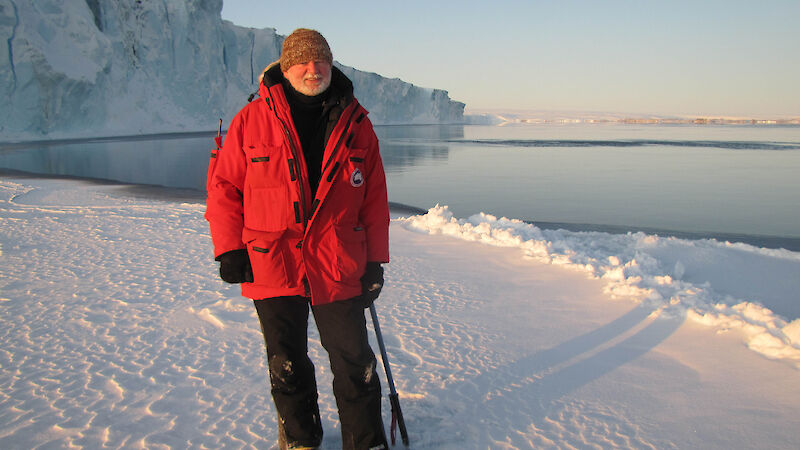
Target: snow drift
[[748, 289], [115, 67]]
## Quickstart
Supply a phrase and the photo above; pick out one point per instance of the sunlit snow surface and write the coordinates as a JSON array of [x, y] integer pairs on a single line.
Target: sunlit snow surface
[[715, 283], [116, 332]]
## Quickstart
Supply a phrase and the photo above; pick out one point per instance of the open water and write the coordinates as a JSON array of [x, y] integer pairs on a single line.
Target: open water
[[739, 183]]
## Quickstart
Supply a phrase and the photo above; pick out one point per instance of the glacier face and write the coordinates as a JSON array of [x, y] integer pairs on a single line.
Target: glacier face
[[75, 68]]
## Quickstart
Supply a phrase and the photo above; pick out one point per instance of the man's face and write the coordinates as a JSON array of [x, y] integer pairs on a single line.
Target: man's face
[[311, 78]]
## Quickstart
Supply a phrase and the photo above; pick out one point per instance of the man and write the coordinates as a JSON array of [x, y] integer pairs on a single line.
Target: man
[[299, 215]]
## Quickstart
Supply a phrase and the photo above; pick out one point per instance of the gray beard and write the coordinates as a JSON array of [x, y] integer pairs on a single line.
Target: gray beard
[[305, 90]]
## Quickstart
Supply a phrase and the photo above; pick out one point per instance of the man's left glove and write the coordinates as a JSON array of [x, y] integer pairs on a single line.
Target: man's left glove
[[234, 266], [371, 283]]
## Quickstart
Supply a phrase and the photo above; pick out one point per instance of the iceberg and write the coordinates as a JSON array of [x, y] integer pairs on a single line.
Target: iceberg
[[80, 68]]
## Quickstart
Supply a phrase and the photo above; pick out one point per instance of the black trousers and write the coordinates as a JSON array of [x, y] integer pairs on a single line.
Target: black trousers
[[343, 332]]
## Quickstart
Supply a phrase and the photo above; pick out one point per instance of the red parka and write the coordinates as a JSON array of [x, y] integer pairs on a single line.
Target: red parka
[[259, 198]]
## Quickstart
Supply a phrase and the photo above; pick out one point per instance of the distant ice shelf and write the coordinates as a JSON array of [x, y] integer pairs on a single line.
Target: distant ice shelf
[[78, 68]]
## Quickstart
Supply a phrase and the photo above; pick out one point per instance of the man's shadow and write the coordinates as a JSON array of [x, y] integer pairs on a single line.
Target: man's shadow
[[512, 397]]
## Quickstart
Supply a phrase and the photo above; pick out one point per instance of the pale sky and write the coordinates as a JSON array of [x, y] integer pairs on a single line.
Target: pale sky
[[676, 57]]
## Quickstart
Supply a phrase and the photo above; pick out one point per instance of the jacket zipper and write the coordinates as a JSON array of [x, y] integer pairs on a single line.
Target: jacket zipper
[[316, 202], [306, 284], [296, 162], [338, 144], [299, 174]]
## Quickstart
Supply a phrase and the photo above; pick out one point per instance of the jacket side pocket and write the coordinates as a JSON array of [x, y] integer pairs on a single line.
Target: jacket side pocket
[[351, 258], [269, 266]]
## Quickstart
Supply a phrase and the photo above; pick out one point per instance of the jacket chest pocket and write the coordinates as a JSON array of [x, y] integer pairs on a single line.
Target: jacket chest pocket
[[264, 168], [266, 191], [266, 208]]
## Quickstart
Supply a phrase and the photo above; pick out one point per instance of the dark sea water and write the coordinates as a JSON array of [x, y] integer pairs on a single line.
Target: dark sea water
[[738, 183]]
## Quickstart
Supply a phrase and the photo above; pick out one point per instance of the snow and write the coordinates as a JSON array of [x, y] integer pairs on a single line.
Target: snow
[[77, 68], [714, 283], [116, 332]]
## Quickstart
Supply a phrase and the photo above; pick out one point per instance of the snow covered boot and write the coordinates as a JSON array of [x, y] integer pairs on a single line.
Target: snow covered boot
[[283, 444]]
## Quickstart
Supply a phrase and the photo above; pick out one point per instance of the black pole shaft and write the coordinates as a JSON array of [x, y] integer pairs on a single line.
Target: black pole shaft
[[394, 399]]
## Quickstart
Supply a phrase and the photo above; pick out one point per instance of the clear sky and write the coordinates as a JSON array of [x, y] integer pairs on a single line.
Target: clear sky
[[701, 57]]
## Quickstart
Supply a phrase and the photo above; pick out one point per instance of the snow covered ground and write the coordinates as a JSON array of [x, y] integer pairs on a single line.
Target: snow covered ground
[[116, 332]]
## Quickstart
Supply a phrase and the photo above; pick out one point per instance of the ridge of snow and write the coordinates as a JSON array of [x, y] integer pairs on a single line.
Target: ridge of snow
[[648, 266]]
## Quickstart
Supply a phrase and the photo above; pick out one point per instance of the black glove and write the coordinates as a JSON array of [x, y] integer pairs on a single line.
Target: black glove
[[234, 266], [371, 283]]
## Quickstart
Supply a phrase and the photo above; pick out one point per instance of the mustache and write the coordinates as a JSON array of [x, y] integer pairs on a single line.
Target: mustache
[[312, 77]]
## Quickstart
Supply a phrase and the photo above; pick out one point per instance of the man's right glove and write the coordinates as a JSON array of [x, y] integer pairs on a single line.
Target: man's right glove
[[371, 283], [234, 266]]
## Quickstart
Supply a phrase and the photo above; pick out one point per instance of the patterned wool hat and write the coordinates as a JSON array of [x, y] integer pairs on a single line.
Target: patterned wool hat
[[302, 46]]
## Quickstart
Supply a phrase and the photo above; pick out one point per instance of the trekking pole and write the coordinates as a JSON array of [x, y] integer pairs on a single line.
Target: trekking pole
[[394, 400], [218, 139]]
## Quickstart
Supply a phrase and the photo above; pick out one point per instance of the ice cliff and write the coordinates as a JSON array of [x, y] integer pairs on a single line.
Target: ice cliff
[[114, 67]]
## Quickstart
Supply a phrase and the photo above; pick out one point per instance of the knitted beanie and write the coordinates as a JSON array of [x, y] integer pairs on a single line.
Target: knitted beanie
[[302, 46]]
